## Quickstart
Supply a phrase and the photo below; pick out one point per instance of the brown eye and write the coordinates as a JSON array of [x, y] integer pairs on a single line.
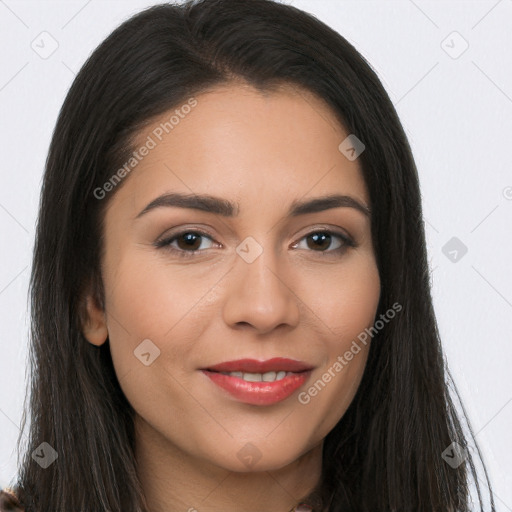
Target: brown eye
[[326, 242], [189, 241], [186, 243], [319, 241]]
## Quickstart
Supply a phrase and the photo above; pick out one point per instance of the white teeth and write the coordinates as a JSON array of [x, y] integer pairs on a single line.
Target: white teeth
[[269, 377], [252, 377], [259, 377]]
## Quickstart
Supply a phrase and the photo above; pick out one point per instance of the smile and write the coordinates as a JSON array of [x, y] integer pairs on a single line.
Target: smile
[[259, 377], [258, 388]]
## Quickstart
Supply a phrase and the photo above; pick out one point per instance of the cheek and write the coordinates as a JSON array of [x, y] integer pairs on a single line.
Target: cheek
[[345, 300], [150, 298], [147, 299], [150, 315], [346, 307]]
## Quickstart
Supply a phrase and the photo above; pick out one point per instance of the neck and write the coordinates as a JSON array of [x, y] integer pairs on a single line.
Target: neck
[[174, 481]]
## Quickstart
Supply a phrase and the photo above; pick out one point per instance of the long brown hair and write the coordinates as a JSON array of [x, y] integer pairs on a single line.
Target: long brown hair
[[385, 453]]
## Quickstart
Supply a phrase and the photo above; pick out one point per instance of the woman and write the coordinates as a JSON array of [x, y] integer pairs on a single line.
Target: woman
[[230, 289]]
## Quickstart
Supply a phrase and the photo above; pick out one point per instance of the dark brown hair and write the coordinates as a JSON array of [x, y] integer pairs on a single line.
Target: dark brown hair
[[385, 453]]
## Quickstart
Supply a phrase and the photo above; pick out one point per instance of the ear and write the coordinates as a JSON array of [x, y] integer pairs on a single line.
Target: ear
[[94, 325]]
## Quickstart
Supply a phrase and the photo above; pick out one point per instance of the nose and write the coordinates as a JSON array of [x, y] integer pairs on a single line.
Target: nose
[[260, 295]]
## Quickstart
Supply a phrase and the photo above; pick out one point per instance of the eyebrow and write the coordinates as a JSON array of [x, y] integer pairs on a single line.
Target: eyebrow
[[219, 206]]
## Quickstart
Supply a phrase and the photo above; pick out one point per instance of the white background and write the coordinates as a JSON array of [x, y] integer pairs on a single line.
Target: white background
[[457, 113]]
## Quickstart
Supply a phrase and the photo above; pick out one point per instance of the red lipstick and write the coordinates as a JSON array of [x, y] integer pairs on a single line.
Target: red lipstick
[[289, 374]]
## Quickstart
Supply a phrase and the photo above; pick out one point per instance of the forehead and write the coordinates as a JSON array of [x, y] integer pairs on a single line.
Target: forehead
[[257, 149]]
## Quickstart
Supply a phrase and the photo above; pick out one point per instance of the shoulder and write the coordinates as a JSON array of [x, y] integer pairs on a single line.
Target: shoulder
[[9, 502]]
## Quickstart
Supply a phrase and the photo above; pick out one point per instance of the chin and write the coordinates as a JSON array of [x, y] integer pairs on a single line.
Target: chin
[[254, 457]]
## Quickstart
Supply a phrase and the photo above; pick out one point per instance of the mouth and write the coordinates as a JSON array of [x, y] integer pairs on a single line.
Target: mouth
[[253, 366], [259, 382], [259, 377]]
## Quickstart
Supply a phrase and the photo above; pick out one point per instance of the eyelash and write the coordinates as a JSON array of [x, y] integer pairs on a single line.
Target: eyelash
[[165, 244]]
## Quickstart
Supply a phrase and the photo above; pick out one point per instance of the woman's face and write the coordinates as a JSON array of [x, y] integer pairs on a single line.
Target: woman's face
[[239, 277]]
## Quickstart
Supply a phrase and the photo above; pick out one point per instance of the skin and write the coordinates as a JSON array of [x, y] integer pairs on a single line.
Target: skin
[[297, 299]]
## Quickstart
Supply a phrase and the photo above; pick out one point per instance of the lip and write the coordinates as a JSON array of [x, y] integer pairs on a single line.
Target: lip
[[275, 364], [259, 393]]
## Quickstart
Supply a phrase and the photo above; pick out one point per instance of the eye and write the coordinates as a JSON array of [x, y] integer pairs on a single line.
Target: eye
[[189, 243], [185, 243], [324, 240]]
